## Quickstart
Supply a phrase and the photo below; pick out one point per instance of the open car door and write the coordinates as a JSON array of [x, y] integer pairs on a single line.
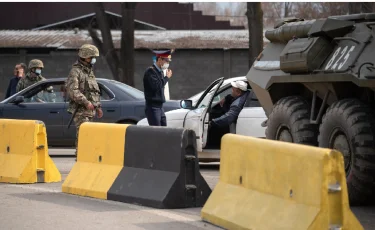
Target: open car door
[[197, 118]]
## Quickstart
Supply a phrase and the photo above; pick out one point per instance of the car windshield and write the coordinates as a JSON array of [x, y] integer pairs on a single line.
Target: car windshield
[[196, 97], [136, 93]]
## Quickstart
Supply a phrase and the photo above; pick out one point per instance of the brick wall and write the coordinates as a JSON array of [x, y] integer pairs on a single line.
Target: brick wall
[[193, 70]]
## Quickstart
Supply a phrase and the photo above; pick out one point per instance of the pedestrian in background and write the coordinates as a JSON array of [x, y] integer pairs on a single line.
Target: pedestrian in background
[[19, 72], [154, 83]]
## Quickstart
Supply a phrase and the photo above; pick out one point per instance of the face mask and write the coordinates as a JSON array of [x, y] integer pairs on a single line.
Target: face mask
[[93, 60], [165, 66], [38, 71]]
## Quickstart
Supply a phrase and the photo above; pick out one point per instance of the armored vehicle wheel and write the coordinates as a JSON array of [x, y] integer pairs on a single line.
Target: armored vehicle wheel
[[349, 126], [290, 121]]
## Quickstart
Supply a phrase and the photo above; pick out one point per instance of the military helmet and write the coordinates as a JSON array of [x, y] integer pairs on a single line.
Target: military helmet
[[87, 51], [36, 63]]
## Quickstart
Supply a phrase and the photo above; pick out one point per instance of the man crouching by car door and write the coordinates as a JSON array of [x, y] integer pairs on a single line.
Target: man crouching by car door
[[154, 82], [232, 104]]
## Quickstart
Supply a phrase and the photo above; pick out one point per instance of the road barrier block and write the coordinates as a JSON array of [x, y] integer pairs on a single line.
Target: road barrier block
[[24, 157], [100, 158], [268, 184], [150, 166]]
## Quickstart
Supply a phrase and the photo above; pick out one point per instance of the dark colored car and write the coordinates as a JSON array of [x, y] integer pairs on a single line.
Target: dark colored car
[[121, 103]]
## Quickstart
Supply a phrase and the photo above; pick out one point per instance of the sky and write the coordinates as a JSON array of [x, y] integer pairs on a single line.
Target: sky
[[226, 4]]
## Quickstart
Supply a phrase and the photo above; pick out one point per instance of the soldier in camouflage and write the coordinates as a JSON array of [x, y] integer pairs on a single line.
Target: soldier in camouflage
[[33, 76], [82, 88]]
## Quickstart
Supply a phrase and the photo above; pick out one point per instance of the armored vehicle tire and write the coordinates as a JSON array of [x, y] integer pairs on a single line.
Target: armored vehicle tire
[[349, 126], [289, 121]]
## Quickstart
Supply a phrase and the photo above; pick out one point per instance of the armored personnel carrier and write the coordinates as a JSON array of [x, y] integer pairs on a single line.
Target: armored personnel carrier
[[316, 82]]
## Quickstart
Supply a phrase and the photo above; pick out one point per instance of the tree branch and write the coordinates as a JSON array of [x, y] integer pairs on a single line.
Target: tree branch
[[103, 24], [106, 46], [276, 9], [255, 21], [127, 42], [95, 37]]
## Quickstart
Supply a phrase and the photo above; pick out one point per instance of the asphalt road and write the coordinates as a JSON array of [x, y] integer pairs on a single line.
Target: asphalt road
[[44, 206]]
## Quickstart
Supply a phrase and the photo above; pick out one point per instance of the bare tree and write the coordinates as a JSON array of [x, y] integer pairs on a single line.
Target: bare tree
[[287, 9], [127, 42], [272, 13], [122, 68], [236, 14], [207, 8], [240, 15], [360, 7], [105, 45], [333, 8], [255, 23], [306, 10]]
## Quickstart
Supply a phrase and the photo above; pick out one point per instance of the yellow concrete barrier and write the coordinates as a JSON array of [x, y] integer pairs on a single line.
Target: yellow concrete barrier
[[24, 154], [268, 184], [99, 161]]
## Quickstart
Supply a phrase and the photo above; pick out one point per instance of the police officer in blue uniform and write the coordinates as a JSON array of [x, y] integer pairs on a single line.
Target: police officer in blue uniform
[[154, 82]]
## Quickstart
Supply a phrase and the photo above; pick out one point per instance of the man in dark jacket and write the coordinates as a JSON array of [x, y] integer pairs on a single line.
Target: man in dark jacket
[[19, 72], [154, 82], [232, 104]]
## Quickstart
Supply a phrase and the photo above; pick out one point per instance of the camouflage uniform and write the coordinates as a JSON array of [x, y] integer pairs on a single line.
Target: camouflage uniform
[[82, 89], [28, 80]]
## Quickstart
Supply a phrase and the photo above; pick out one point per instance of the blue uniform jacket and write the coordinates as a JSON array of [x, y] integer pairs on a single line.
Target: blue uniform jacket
[[231, 115], [154, 83]]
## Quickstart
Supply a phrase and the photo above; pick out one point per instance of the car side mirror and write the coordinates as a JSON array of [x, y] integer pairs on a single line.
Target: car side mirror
[[18, 100], [186, 104]]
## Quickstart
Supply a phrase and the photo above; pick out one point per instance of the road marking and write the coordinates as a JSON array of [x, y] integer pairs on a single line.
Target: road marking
[[196, 222]]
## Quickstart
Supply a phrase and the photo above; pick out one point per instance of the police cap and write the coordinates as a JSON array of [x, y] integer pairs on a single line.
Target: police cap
[[166, 54]]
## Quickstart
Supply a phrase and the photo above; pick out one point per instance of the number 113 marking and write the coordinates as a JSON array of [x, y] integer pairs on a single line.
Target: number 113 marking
[[337, 64]]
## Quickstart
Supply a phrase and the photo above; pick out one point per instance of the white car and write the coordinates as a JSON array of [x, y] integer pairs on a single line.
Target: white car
[[204, 106]]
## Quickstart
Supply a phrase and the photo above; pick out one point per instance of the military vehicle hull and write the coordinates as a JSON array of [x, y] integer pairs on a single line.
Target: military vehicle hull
[[316, 83]]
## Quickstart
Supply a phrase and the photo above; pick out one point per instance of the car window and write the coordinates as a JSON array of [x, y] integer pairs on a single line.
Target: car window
[[205, 101], [45, 93], [197, 96], [133, 92], [222, 94], [104, 95], [211, 89], [252, 100]]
